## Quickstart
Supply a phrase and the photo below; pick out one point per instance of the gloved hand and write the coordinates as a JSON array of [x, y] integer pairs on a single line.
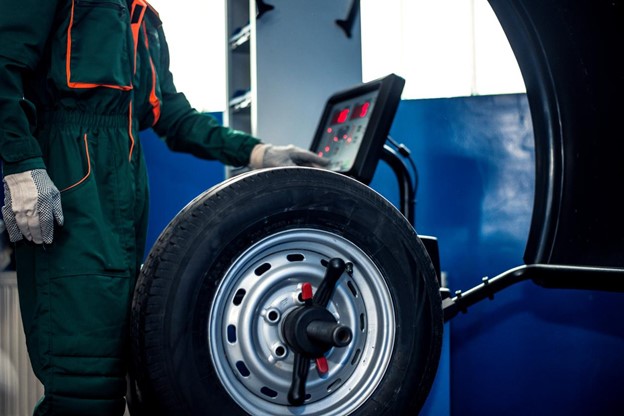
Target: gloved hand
[[31, 204], [268, 156]]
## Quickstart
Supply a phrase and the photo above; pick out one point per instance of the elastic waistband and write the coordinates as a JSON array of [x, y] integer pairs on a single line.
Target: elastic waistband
[[84, 119]]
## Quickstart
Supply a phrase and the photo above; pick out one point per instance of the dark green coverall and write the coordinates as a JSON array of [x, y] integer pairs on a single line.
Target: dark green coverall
[[78, 80]]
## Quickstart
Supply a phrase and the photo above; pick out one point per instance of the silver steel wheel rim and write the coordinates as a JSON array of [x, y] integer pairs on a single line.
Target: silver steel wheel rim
[[249, 354]]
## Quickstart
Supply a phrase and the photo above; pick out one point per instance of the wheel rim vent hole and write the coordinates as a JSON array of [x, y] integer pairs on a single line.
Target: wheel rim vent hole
[[268, 392], [242, 369], [334, 385], [356, 357], [295, 257], [238, 297], [352, 288], [231, 334], [260, 270]]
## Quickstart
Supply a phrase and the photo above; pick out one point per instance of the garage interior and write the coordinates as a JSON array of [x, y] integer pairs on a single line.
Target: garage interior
[[529, 350]]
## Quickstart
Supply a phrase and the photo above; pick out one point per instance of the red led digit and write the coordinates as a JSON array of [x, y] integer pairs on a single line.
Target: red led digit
[[364, 109], [342, 117], [361, 110]]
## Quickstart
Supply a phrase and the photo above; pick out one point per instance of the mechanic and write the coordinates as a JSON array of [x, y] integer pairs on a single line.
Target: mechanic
[[78, 80]]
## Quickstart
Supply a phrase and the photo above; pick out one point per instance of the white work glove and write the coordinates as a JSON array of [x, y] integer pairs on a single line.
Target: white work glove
[[31, 204], [269, 156]]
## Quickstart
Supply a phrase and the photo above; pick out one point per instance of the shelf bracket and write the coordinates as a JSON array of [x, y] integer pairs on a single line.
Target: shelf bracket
[[263, 8], [347, 24]]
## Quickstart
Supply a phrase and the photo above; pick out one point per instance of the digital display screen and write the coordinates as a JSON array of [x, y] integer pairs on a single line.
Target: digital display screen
[[344, 130], [354, 126]]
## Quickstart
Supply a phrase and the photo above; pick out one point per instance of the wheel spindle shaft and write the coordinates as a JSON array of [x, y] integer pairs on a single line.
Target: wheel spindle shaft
[[329, 333]]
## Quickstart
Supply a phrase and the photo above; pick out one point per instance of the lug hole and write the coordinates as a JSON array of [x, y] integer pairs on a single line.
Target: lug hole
[[280, 351], [273, 316]]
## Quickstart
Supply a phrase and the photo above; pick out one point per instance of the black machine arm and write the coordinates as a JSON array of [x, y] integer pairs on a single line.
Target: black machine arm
[[545, 275]]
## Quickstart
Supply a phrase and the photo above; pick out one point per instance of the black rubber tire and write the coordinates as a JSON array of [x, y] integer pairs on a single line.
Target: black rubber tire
[[173, 372]]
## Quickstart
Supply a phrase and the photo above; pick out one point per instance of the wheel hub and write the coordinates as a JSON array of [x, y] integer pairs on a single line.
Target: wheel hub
[[264, 290], [312, 331]]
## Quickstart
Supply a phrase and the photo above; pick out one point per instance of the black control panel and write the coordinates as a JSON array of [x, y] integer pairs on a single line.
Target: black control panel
[[355, 124]]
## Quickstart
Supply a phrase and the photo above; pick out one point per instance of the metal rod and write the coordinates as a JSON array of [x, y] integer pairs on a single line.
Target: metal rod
[[407, 194]]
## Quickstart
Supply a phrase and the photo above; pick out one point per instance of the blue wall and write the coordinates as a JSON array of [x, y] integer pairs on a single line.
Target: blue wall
[[530, 351], [174, 180]]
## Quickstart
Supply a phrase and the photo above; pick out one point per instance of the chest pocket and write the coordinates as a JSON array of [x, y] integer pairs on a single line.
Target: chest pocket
[[99, 45]]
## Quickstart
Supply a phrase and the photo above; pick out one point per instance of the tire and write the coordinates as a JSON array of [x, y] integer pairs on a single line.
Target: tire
[[223, 274]]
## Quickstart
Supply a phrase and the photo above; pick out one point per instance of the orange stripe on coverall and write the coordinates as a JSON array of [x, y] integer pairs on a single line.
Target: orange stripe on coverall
[[154, 101]]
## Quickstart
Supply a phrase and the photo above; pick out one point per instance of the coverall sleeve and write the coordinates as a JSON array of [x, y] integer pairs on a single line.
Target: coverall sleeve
[[184, 129], [24, 29]]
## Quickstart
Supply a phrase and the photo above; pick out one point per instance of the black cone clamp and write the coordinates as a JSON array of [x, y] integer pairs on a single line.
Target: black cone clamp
[[311, 330]]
